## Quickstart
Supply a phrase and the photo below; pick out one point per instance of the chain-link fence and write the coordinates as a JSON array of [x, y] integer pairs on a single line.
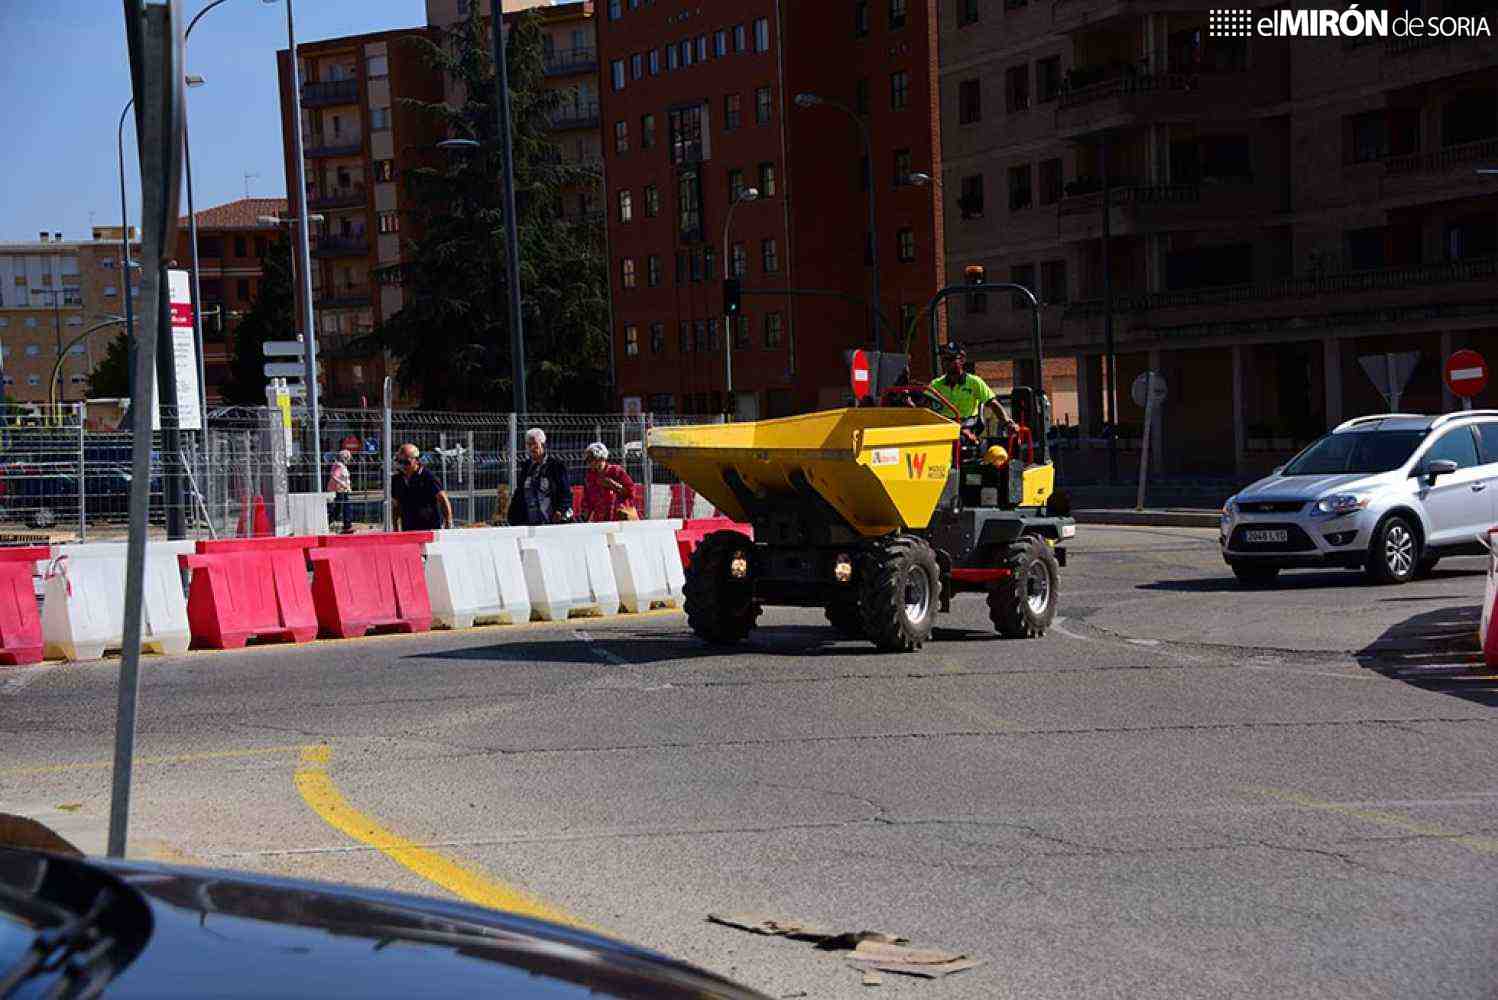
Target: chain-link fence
[[65, 474]]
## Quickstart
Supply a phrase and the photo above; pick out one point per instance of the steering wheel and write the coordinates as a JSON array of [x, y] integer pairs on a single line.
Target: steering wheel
[[908, 395]]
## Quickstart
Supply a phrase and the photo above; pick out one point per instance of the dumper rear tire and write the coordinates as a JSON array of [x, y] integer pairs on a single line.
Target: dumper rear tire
[[1023, 605], [720, 609], [899, 589]]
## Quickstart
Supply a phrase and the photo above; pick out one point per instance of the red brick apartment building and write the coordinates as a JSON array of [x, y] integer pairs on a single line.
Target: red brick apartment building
[[1280, 208], [697, 102]]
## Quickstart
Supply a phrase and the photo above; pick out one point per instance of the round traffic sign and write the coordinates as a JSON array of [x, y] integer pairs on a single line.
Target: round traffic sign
[[1157, 388], [860, 364], [352, 443], [1466, 373]]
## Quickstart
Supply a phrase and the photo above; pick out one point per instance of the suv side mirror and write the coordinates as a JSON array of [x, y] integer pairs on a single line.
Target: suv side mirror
[[1440, 467], [1278, 470]]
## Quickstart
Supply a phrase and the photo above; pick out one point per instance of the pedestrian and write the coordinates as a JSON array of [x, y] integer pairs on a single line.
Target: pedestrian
[[340, 483], [542, 493], [608, 492], [419, 503]]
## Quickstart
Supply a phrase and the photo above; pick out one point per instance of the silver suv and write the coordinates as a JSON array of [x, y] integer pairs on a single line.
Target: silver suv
[[1391, 494]]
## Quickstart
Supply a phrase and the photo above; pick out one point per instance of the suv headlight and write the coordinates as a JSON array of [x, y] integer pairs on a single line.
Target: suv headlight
[[1341, 503]]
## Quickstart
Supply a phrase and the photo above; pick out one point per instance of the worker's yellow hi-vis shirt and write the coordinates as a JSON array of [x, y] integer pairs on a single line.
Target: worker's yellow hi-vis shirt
[[967, 396]]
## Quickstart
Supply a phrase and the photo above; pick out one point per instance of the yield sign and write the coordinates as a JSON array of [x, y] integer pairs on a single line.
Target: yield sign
[[1466, 373], [1390, 373]]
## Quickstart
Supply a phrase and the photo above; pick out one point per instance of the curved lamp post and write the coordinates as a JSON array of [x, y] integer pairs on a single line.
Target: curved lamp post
[[748, 194], [57, 367]]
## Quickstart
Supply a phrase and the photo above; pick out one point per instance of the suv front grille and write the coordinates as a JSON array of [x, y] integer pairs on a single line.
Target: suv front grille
[[1271, 506], [1296, 539]]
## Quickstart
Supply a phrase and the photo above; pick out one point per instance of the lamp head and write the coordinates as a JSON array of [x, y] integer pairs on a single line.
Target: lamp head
[[807, 100]]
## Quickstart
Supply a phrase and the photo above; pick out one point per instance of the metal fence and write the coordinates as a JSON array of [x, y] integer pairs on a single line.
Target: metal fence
[[65, 474]]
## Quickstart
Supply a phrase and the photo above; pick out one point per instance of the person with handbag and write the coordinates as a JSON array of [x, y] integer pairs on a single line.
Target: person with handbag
[[608, 492]]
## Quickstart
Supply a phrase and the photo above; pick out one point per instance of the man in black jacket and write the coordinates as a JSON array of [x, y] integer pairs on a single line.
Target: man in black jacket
[[542, 493]]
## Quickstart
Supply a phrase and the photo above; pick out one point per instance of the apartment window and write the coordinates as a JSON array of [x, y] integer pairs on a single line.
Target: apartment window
[[684, 345], [767, 180], [1019, 187], [735, 184], [631, 340], [384, 171], [908, 314], [720, 42], [1469, 117], [861, 96], [260, 243], [616, 68], [967, 12], [1370, 137], [740, 260], [626, 206], [906, 241], [1053, 282], [1470, 237], [699, 335], [977, 303], [1051, 187], [657, 338], [971, 202], [861, 18], [698, 268], [647, 131], [389, 222], [241, 249], [621, 136], [769, 256], [652, 201], [337, 125], [740, 38], [702, 48], [1048, 79], [32, 350], [637, 65], [681, 267], [627, 272], [653, 270], [686, 134], [379, 119], [762, 106], [740, 336], [241, 289], [774, 330], [689, 195], [709, 265], [672, 59], [1022, 274], [899, 90], [1017, 88], [969, 102], [902, 167], [110, 291], [897, 14], [655, 62], [616, 10], [686, 52], [762, 35], [377, 66], [733, 112]]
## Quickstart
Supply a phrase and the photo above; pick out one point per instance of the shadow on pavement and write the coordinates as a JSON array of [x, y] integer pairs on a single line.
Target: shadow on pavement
[[1435, 651], [1298, 580]]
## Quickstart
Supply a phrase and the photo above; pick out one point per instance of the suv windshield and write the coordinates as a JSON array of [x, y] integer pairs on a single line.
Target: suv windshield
[[1363, 452]]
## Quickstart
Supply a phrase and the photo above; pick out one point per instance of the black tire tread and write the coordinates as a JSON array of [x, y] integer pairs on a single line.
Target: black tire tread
[[1008, 606], [1376, 567], [881, 593], [714, 611]]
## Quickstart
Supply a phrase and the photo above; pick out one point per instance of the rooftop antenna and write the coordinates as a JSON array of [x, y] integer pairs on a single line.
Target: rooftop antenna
[[247, 178]]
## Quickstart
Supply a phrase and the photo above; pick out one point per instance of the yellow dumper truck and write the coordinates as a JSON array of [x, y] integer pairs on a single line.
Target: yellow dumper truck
[[879, 514]]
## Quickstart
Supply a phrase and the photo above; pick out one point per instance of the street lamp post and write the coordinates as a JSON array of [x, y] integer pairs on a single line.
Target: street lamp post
[[125, 262], [57, 366], [808, 100], [512, 234], [56, 314], [276, 220], [748, 194]]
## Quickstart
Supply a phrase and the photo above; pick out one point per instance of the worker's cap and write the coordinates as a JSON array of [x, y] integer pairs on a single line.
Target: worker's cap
[[951, 349]]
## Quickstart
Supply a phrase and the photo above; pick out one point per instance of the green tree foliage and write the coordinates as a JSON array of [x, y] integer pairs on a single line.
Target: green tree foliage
[[110, 378], [451, 340], [272, 316]]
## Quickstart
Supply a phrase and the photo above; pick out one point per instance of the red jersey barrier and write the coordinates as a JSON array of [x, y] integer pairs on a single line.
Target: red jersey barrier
[[20, 619], [363, 582], [245, 588], [691, 534]]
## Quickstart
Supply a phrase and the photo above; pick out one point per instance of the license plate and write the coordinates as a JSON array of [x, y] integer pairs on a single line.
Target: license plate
[[1266, 537]]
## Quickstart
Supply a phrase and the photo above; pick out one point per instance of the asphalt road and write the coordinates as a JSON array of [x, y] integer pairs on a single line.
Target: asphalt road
[[1185, 790]]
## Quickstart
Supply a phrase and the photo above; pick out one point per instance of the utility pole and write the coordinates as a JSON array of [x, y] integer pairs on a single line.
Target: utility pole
[[512, 229], [1110, 370], [304, 251]]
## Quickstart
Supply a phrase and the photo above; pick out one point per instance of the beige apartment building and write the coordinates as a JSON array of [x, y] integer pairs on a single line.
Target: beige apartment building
[[1279, 210]]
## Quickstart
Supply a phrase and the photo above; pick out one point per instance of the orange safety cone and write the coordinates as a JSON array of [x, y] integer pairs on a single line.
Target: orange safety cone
[[263, 527]]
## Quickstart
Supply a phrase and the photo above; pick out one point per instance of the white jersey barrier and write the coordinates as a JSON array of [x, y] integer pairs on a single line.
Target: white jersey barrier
[[83, 609], [568, 571], [309, 512], [647, 564], [475, 576]]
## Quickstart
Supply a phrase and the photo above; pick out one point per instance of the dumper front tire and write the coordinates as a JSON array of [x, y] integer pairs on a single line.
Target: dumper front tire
[[720, 609], [898, 593], [1023, 605]]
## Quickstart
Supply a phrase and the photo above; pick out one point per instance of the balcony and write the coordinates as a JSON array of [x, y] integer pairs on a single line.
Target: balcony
[[1347, 283], [1150, 208], [1441, 174], [565, 62], [330, 92], [352, 245], [580, 115], [343, 297], [1131, 96], [317, 148], [349, 197]]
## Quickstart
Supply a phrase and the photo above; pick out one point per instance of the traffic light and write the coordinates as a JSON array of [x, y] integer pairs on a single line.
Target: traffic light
[[732, 294]]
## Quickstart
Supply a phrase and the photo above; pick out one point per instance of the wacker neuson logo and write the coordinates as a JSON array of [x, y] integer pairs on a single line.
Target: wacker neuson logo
[[1350, 23]]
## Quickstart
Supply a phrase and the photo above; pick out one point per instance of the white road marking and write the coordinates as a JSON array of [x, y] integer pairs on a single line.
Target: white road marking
[[599, 651], [1068, 632]]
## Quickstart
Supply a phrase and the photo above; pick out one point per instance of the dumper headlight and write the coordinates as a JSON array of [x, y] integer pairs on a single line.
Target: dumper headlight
[[738, 566], [842, 567]]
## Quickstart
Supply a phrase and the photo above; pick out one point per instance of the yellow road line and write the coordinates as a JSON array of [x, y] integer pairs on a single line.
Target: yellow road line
[[320, 794], [1482, 845], [183, 758]]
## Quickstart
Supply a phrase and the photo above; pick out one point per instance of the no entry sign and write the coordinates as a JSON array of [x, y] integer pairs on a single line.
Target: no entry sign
[[1466, 373], [860, 366]]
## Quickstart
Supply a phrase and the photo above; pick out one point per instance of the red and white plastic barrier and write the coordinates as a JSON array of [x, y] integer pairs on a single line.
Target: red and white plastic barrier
[[250, 588], [1488, 634], [20, 621]]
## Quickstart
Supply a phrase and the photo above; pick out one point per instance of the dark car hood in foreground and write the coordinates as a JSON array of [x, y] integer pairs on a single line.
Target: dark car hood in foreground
[[233, 934]]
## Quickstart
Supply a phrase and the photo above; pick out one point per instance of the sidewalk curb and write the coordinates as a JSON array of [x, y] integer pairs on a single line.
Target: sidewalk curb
[[1150, 518]]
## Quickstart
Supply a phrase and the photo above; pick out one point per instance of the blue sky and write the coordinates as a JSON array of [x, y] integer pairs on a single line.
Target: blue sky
[[65, 67]]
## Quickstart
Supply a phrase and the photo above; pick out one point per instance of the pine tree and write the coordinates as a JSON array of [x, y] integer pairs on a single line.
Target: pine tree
[[110, 378], [451, 339], [272, 316]]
